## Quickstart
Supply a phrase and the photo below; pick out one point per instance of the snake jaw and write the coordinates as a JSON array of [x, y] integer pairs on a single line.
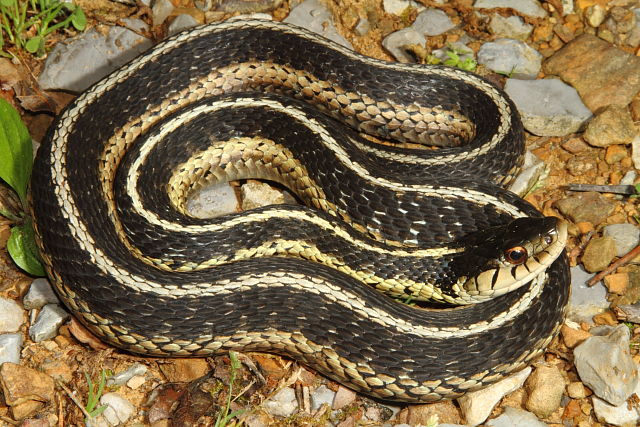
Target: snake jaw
[[539, 241]]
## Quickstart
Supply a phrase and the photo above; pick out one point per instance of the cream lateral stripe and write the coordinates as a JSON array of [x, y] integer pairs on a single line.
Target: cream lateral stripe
[[326, 139]]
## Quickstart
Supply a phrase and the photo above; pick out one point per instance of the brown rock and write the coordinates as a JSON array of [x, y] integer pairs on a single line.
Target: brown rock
[[343, 397], [575, 145], [615, 153], [617, 283], [21, 384], [572, 337], [446, 412], [545, 386], [184, 370], [598, 254], [26, 409], [586, 207], [601, 73], [606, 318], [576, 390], [612, 126]]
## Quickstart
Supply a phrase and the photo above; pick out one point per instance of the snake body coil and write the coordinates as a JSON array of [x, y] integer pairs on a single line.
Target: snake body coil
[[250, 99]]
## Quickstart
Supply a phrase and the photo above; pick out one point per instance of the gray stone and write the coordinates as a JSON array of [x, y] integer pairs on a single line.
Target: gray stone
[[11, 315], [76, 65], [10, 348], [612, 125], [526, 7], [119, 409], [432, 22], [161, 10], [320, 396], [256, 194], [40, 294], [510, 57], [629, 178], [622, 415], [122, 377], [513, 417], [584, 301], [282, 404], [397, 7], [605, 365], [182, 22], [395, 43], [532, 169], [626, 237], [548, 107], [363, 26], [463, 51], [314, 16], [47, 323], [212, 201], [512, 27], [635, 152], [477, 406]]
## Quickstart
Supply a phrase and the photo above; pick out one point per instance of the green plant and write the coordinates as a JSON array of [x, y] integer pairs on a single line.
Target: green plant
[[95, 392], [468, 64], [26, 23], [16, 160], [225, 416]]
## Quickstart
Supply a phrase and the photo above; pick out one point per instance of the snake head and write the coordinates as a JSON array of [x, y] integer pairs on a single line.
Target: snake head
[[503, 258]]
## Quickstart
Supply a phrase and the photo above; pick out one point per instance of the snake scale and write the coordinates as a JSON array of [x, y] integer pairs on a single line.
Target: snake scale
[[261, 99]]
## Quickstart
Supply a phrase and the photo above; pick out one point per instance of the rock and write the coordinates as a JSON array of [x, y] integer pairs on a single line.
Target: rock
[[362, 27], [77, 64], [40, 294], [526, 7], [415, 415], [26, 409], [21, 384], [605, 365], [185, 370], [548, 107], [248, 7], [595, 15], [10, 347], [513, 417], [477, 406], [628, 179], [256, 194], [343, 397], [121, 378], [432, 22], [119, 409], [586, 207], [320, 396], [512, 27], [11, 315], [598, 254], [612, 126], [510, 57], [397, 7], [50, 318], [545, 388], [622, 415], [614, 154], [576, 390], [617, 283], [572, 336], [282, 404], [212, 201], [584, 301], [136, 381], [580, 165], [631, 312], [182, 22], [532, 170], [314, 16], [602, 74], [161, 10], [398, 41]]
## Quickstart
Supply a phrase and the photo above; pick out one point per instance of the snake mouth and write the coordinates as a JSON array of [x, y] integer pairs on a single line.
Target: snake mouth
[[517, 260]]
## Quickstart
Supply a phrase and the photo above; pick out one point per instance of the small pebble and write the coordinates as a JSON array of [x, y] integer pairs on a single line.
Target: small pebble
[[182, 22], [282, 404], [526, 7], [397, 41], [513, 417], [40, 294], [47, 323], [320, 396], [512, 27], [161, 10], [510, 57], [11, 315], [598, 254], [622, 415], [121, 378], [613, 125], [119, 409], [314, 16], [10, 348], [576, 390], [545, 388], [212, 201], [625, 236], [585, 301], [397, 7], [432, 22]]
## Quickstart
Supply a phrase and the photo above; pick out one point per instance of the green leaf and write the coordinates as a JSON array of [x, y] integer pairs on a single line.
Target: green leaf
[[23, 250], [6, 3], [33, 44], [16, 151], [78, 19]]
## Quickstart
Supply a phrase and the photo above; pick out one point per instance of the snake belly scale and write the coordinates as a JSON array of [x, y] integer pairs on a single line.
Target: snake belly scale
[[260, 99]]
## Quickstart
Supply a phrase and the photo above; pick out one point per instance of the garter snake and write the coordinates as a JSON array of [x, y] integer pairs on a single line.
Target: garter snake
[[260, 99]]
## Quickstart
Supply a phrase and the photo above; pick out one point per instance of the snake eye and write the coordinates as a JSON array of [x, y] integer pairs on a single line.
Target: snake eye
[[516, 255]]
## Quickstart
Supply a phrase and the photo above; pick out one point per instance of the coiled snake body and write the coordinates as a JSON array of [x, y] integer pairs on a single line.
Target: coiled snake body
[[250, 99]]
